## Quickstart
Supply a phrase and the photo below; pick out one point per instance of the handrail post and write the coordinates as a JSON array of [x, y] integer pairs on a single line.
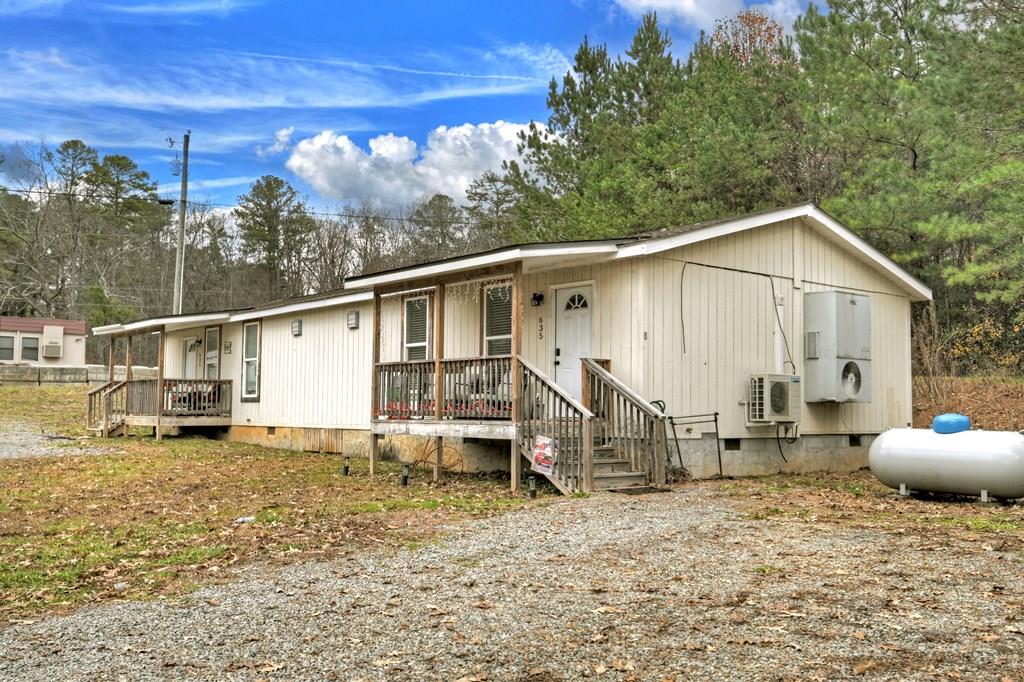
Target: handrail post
[[438, 376], [160, 382], [588, 454], [375, 385], [517, 380]]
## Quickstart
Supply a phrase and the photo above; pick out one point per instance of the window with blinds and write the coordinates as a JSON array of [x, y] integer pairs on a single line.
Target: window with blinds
[[498, 320], [29, 348], [6, 347], [417, 327]]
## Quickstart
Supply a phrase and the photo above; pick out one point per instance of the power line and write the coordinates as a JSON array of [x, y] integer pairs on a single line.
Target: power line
[[326, 214]]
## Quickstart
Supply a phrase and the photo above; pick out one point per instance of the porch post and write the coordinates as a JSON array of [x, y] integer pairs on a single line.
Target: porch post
[[110, 359], [438, 378], [515, 463], [128, 357], [127, 377], [160, 382], [374, 387]]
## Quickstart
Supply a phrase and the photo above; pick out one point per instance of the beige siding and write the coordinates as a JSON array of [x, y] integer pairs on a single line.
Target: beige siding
[[321, 378], [730, 324]]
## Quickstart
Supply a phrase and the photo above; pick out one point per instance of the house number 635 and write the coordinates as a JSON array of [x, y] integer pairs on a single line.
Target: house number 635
[[540, 328]]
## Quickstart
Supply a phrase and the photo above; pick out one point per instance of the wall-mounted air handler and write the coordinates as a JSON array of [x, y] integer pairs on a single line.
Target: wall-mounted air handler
[[837, 347]]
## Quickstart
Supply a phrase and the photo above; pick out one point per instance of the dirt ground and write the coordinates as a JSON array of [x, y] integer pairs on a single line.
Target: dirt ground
[[133, 563], [995, 403]]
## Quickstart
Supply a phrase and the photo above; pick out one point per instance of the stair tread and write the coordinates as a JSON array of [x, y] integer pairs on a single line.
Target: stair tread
[[620, 474]]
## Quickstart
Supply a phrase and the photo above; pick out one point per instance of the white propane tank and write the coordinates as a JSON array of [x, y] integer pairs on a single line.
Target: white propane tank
[[964, 463]]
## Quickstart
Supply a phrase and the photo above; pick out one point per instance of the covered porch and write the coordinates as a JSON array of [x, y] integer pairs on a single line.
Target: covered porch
[[202, 399], [449, 362]]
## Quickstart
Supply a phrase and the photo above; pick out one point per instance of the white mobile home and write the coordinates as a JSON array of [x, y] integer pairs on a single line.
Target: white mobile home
[[777, 341], [42, 342]]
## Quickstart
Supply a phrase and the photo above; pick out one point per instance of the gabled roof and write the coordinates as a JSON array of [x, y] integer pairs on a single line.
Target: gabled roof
[[564, 253], [657, 242], [282, 307]]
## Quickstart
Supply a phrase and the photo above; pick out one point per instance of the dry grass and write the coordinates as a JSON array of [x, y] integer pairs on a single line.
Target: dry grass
[[55, 408], [859, 500], [143, 519]]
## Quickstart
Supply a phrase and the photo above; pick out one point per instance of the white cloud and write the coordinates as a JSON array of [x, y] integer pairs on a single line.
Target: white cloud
[[703, 13], [215, 81], [396, 172], [282, 138], [13, 7], [214, 183], [181, 7]]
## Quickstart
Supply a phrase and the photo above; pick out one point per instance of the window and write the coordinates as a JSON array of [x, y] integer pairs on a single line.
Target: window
[[498, 320], [576, 302], [6, 347], [211, 366], [30, 348], [417, 327], [251, 361]]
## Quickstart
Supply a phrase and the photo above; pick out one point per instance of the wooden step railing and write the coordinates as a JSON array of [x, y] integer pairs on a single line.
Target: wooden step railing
[[546, 409], [624, 422], [186, 397], [115, 406], [94, 406]]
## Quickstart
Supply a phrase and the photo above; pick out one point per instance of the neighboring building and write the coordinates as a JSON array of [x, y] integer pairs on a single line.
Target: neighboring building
[[42, 342], [784, 323]]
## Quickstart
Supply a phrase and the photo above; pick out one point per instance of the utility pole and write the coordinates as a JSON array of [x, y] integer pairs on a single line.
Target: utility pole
[[179, 260]]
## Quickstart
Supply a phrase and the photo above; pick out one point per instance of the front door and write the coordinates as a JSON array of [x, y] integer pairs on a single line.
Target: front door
[[574, 330], [191, 361]]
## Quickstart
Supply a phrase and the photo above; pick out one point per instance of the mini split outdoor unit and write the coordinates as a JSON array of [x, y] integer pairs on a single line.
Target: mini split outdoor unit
[[774, 399], [837, 351]]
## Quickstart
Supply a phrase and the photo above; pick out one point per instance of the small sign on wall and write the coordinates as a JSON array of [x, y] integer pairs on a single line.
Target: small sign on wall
[[353, 319], [227, 348]]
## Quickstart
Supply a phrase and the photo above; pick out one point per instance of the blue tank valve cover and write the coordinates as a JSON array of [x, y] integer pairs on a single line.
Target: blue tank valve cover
[[951, 423]]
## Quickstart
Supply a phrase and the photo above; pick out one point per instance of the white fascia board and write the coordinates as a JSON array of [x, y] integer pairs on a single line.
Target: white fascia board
[[703, 234], [177, 322], [107, 330], [488, 259], [917, 290], [303, 306]]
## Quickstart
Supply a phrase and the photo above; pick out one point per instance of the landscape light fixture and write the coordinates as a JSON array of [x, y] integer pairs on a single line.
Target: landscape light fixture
[[405, 475], [344, 468], [532, 482]]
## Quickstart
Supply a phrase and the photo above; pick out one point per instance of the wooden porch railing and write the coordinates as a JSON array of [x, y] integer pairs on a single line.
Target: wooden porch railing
[[471, 388], [404, 389], [107, 406], [546, 409], [186, 397], [94, 405], [630, 426], [477, 388], [115, 407]]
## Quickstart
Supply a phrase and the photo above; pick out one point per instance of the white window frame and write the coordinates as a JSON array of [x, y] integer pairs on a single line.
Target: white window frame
[[405, 329], [500, 285], [14, 347], [255, 395], [21, 347], [206, 349]]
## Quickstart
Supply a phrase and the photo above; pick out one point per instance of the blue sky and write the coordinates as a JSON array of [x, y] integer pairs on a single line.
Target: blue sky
[[380, 102]]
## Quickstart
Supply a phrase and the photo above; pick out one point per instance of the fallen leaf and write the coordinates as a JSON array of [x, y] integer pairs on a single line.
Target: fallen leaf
[[864, 666], [858, 634]]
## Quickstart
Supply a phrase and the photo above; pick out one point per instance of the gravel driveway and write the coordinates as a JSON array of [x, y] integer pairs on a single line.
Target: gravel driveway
[[19, 439], [655, 587]]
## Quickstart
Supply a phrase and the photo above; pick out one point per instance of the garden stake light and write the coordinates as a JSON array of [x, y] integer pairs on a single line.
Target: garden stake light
[[405, 475], [532, 481], [344, 469]]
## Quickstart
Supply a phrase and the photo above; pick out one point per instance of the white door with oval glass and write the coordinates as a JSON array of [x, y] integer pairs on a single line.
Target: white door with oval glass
[[574, 334]]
